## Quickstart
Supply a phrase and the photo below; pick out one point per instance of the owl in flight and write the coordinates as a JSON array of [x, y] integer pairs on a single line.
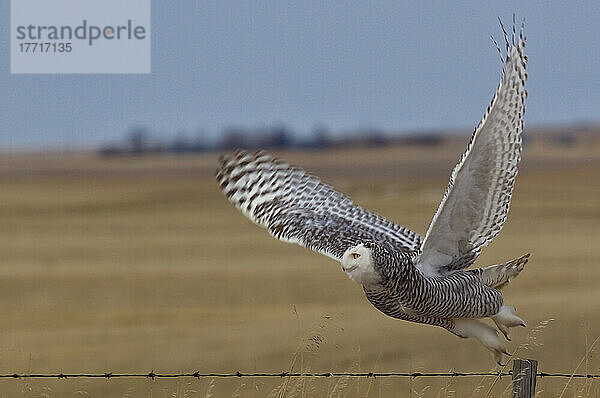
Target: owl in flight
[[403, 275]]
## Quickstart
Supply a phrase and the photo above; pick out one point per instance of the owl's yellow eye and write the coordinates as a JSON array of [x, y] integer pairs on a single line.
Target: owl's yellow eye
[[355, 255]]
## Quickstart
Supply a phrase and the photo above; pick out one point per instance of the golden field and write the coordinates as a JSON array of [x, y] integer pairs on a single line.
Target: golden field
[[140, 264]]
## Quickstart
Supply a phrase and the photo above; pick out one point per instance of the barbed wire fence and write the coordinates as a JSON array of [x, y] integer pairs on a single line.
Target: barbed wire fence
[[523, 374], [153, 375]]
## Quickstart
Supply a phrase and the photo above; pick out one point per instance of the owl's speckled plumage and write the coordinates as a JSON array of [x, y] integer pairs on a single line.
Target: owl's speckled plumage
[[403, 275]]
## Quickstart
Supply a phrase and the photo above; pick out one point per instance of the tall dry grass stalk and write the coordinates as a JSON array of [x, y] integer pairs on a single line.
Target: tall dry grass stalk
[[308, 344], [209, 389], [587, 352]]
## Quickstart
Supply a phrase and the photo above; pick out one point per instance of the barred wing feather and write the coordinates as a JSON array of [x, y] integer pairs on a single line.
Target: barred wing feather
[[476, 202], [297, 207]]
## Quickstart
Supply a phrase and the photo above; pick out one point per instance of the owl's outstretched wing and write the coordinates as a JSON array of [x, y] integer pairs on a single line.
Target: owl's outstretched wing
[[476, 202], [297, 207]]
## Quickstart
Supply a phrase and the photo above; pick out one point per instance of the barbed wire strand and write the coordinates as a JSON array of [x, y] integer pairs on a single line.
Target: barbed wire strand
[[152, 375]]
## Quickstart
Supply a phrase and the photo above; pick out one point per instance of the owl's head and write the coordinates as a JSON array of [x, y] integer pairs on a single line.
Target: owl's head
[[358, 264]]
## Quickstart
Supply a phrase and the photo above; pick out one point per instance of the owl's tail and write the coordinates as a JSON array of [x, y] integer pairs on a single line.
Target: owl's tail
[[497, 276]]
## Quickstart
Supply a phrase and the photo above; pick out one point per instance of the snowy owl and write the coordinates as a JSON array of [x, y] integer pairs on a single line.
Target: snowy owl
[[405, 276]]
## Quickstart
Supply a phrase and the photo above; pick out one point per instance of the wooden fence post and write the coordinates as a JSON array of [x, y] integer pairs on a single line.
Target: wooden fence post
[[523, 378]]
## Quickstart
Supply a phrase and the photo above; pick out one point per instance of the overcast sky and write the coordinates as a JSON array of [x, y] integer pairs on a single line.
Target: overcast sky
[[392, 65]]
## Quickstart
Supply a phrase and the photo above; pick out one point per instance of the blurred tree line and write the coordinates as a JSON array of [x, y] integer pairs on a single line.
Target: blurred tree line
[[139, 140]]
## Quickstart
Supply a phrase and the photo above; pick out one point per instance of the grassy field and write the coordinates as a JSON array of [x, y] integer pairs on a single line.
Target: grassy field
[[132, 265]]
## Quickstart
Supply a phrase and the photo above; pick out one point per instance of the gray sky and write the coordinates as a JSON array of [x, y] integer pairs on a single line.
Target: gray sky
[[390, 65]]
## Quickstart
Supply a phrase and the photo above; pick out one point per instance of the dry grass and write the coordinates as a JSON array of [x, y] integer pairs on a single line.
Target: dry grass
[[140, 264]]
